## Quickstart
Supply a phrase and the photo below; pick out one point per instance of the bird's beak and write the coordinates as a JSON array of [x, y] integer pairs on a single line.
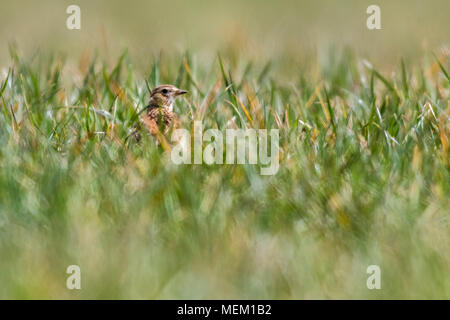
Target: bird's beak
[[180, 92]]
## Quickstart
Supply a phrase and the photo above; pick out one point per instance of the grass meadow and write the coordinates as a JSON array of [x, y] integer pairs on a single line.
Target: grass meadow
[[364, 173]]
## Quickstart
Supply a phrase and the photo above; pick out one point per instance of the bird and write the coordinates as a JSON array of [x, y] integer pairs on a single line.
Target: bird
[[159, 117]]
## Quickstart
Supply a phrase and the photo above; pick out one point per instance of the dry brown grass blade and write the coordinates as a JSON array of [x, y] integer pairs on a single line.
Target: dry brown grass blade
[[435, 67], [313, 96], [444, 133], [277, 119], [119, 92], [247, 114], [209, 99], [83, 64], [324, 107], [286, 119], [254, 105]]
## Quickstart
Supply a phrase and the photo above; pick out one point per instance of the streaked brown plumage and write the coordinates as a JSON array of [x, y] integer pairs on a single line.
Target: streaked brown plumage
[[159, 116]]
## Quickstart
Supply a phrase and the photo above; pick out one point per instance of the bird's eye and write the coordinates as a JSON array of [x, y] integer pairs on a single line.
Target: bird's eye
[[165, 91]]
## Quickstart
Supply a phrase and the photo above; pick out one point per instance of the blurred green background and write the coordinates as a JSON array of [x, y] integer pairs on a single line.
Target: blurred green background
[[257, 28]]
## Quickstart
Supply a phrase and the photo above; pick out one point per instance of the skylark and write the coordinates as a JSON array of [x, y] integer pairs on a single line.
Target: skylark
[[159, 116]]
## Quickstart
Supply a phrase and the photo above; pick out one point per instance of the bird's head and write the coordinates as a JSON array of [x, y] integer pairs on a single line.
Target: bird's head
[[164, 96]]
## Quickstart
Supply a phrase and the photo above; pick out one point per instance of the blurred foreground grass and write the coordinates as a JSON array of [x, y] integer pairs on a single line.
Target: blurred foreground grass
[[364, 179]]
